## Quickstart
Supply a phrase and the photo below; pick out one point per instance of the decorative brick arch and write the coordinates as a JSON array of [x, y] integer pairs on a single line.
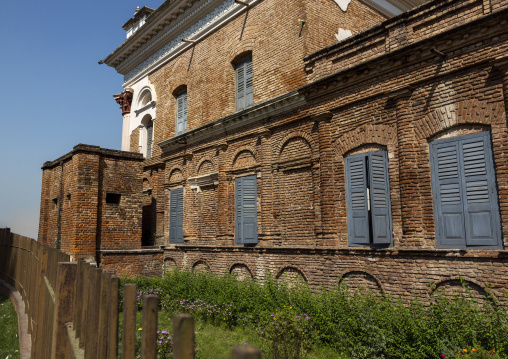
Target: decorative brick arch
[[293, 135], [169, 265], [200, 164], [201, 264], [172, 172], [244, 150], [233, 155], [292, 269], [246, 270], [477, 290], [367, 134], [468, 112], [363, 276], [239, 50]]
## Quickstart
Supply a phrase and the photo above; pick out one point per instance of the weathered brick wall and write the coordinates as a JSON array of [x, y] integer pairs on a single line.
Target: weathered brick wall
[[397, 272], [74, 212], [278, 41], [133, 263]]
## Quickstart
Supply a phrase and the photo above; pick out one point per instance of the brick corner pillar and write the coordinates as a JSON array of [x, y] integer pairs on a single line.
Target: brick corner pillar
[[124, 99]]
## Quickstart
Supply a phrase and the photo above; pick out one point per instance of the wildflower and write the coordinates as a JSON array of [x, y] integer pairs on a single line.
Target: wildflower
[[464, 350], [140, 329], [274, 318], [290, 307], [443, 356]]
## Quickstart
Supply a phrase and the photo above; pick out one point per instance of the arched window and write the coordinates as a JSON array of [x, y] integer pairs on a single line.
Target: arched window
[[145, 99], [148, 135], [244, 81]]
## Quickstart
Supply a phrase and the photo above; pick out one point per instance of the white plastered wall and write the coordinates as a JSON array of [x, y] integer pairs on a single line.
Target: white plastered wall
[[140, 111]]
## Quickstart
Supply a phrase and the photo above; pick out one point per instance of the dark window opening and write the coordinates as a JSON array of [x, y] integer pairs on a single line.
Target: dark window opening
[[113, 198]]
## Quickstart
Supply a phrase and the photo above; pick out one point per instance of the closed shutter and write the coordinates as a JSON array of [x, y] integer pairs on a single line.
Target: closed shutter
[[246, 210], [244, 84], [149, 141], [240, 86], [248, 83], [181, 113], [176, 216], [465, 195], [380, 198], [357, 205]]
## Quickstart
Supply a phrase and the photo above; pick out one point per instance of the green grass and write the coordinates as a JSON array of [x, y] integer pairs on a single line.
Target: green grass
[[9, 341], [358, 324]]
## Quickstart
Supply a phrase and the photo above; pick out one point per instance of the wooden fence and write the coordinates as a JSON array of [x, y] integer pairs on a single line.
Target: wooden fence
[[73, 307]]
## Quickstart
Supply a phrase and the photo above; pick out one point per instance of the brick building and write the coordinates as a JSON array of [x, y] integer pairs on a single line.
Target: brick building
[[322, 140]]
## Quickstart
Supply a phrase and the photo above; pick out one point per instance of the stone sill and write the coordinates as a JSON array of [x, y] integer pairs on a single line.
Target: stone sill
[[131, 251]]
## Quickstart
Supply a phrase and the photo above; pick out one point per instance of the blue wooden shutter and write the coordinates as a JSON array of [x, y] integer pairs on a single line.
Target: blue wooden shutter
[[246, 210], [176, 216], [248, 100], [357, 205], [482, 224], [381, 216], [149, 140], [240, 86], [446, 183], [238, 211], [181, 113]]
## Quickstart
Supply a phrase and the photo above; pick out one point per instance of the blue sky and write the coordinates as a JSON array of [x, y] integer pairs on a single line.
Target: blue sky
[[54, 94]]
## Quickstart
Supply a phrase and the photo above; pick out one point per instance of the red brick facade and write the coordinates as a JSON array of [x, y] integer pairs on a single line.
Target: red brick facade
[[382, 89]]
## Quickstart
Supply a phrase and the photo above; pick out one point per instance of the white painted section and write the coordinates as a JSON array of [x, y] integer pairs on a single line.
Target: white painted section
[[141, 112], [126, 134], [343, 4], [343, 34]]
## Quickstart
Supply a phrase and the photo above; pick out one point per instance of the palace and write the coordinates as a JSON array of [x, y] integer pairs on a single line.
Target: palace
[[318, 140]]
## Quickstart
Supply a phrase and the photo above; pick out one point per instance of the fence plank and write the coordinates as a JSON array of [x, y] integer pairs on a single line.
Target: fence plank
[[113, 318], [129, 321], [149, 334], [102, 347], [64, 310], [183, 336]]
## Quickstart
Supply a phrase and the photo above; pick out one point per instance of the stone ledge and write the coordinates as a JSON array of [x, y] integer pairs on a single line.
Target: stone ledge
[[82, 148], [386, 252], [130, 251]]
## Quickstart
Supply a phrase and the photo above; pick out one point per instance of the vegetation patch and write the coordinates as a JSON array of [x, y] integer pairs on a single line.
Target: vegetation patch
[[9, 341], [291, 321]]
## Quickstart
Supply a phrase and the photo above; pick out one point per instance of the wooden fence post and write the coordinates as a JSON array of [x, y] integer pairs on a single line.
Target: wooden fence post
[[102, 347], [129, 321], [183, 336], [149, 334], [79, 297], [246, 352], [41, 303], [64, 310], [113, 318]]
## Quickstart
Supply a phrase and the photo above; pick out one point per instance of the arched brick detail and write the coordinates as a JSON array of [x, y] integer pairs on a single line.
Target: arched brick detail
[[240, 49], [454, 284], [244, 271], [244, 158], [465, 112], [292, 135], [234, 155], [200, 168], [200, 265], [367, 134], [175, 175], [169, 265], [294, 270], [362, 278]]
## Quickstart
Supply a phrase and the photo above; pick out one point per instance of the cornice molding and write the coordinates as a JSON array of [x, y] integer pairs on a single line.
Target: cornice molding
[[160, 39], [225, 125]]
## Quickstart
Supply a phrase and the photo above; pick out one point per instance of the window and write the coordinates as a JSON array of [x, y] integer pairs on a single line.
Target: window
[[113, 198], [244, 97], [246, 227], [149, 139], [369, 219], [466, 210], [181, 112], [176, 216]]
